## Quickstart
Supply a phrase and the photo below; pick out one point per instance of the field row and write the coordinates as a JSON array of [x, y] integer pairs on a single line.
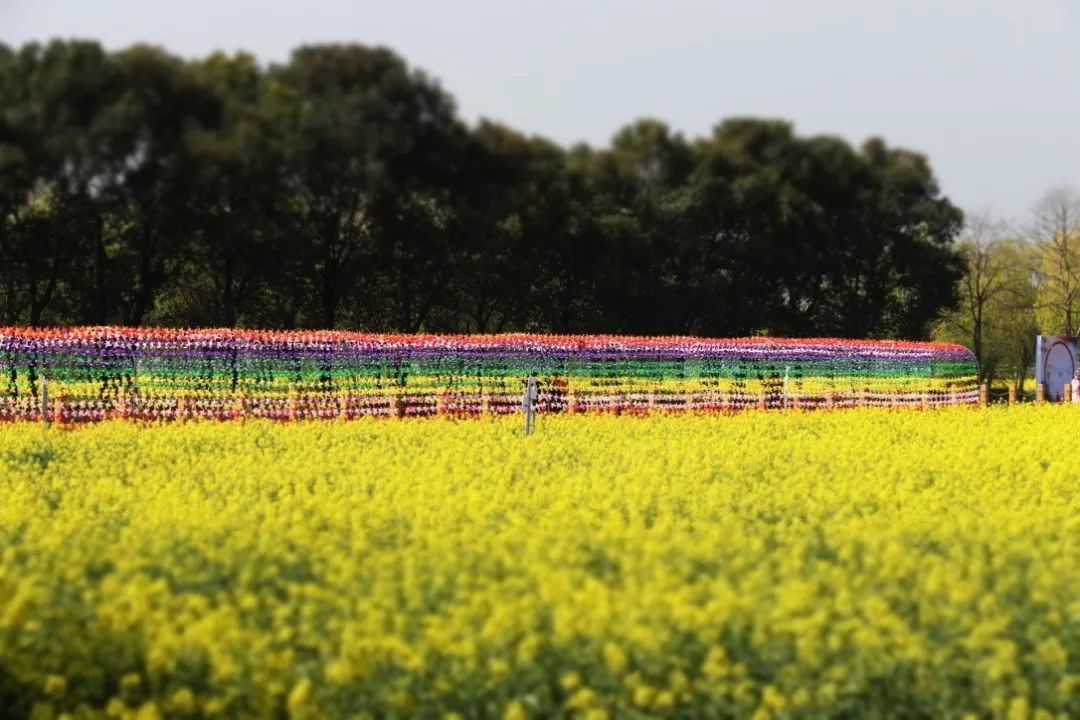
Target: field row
[[789, 565]]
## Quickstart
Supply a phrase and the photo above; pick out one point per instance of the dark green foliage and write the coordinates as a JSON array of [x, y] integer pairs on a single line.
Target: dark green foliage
[[341, 190]]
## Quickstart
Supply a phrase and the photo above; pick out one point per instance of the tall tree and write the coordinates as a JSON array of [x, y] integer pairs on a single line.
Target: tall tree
[[241, 214], [15, 181], [903, 284], [340, 190], [154, 173], [53, 100], [638, 189], [807, 237], [1056, 232], [1014, 326], [492, 272], [985, 283], [363, 132]]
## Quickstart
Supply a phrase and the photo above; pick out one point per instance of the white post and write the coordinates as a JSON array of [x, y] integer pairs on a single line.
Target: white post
[[528, 403]]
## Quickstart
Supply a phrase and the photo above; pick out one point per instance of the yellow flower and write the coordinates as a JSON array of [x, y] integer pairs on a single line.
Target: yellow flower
[[614, 657], [115, 708], [182, 701], [214, 706], [1018, 709], [665, 699], [130, 682], [424, 566], [338, 671], [1052, 654], [148, 711], [773, 698], [55, 684], [643, 695], [581, 699], [515, 711], [299, 695]]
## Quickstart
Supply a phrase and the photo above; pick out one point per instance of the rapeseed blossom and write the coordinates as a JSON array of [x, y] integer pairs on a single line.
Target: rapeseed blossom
[[782, 565]]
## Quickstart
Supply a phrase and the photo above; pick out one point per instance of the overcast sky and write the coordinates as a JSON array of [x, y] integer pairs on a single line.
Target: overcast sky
[[987, 88]]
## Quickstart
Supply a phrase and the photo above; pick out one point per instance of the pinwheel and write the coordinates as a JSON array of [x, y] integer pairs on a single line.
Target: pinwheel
[[93, 373]]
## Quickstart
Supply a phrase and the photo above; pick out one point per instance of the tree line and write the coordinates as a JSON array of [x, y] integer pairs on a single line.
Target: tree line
[[340, 189], [1021, 278]]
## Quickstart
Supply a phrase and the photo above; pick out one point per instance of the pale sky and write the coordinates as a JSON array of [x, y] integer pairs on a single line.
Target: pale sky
[[988, 89]]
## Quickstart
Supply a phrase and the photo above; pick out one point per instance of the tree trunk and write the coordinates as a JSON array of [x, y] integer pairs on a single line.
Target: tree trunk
[[38, 305], [329, 294], [228, 301], [99, 282]]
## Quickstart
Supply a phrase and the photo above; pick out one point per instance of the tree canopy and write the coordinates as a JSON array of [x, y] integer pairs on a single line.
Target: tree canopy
[[341, 189]]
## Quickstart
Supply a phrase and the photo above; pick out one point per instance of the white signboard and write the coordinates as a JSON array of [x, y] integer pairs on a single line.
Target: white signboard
[[1055, 363]]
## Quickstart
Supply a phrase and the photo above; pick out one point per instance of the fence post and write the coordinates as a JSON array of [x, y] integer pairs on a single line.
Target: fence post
[[1040, 393], [528, 403], [761, 405], [1012, 392], [984, 394], [830, 400], [44, 399], [485, 403], [1066, 393]]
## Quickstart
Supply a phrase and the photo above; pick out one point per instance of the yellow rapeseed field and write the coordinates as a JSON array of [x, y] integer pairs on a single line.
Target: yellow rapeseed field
[[852, 564]]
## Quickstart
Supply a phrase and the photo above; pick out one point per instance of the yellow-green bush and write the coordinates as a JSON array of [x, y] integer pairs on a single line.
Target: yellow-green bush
[[852, 564]]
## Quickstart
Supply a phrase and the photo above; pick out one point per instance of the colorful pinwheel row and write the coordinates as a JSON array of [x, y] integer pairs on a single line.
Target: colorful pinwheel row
[[91, 373]]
